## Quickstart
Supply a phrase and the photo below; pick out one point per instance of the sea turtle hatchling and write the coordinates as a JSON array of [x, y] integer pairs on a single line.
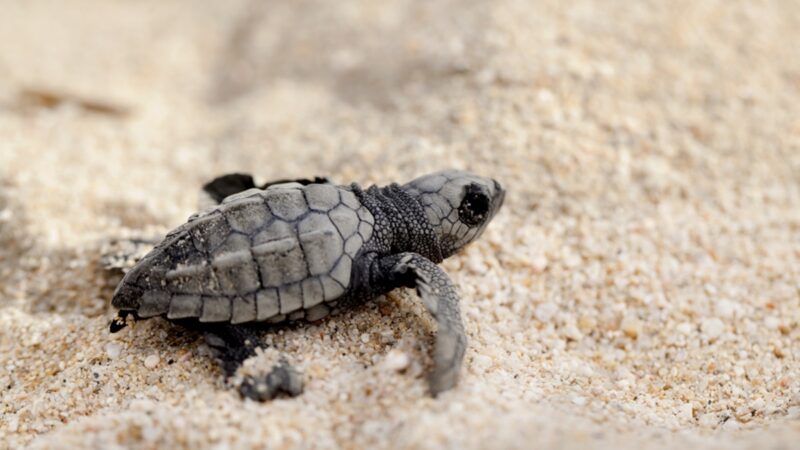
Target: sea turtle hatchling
[[302, 250]]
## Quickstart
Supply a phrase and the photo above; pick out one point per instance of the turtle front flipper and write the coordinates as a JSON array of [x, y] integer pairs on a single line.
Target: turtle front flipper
[[440, 298]]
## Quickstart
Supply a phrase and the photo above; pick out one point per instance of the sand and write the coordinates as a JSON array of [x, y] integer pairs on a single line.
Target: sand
[[638, 290]]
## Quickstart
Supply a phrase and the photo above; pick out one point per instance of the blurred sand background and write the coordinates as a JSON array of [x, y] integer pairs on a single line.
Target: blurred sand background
[[639, 289]]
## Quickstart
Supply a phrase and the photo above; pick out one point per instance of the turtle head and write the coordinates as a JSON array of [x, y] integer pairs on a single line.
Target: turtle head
[[458, 204]]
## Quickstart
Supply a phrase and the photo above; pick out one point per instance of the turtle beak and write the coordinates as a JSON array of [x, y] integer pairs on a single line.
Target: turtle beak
[[499, 196]]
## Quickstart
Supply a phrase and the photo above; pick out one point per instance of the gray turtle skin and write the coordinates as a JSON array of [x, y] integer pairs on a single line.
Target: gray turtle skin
[[302, 250]]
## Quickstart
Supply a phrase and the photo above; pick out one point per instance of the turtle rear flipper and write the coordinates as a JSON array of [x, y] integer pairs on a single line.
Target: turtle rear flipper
[[233, 345], [224, 186], [282, 379], [217, 189]]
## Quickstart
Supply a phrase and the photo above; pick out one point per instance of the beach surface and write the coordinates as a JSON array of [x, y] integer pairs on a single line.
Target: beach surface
[[639, 290]]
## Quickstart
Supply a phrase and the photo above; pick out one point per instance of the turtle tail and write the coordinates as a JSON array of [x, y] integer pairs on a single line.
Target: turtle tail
[[126, 299], [120, 321]]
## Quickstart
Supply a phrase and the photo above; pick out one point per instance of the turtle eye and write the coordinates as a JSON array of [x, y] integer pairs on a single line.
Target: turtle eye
[[475, 205]]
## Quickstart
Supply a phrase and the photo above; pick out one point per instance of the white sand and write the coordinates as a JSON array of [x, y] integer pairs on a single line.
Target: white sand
[[639, 289]]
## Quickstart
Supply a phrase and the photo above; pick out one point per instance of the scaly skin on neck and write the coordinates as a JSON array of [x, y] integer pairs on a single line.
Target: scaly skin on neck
[[407, 229]]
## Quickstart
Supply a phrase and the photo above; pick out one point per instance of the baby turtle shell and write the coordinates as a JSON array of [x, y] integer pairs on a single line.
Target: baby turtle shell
[[261, 255]]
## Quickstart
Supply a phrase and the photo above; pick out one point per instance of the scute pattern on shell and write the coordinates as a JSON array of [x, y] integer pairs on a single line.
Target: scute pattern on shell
[[262, 255]]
